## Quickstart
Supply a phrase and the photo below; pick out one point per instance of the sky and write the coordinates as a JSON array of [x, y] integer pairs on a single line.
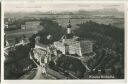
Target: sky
[[21, 6]]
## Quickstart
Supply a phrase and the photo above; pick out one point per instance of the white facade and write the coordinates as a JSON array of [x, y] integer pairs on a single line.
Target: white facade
[[60, 46], [75, 47], [68, 30]]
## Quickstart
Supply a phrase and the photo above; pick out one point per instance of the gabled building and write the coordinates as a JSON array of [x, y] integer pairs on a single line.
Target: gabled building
[[70, 44]]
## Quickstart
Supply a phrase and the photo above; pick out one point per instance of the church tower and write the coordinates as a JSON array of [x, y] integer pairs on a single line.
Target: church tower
[[69, 27], [69, 31]]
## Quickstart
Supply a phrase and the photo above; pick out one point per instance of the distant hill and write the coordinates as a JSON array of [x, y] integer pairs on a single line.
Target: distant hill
[[102, 12]]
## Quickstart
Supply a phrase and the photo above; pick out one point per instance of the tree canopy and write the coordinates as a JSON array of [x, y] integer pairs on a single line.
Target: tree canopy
[[50, 28]]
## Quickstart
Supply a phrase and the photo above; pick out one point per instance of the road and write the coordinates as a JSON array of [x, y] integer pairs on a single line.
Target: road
[[36, 73], [39, 73], [50, 74]]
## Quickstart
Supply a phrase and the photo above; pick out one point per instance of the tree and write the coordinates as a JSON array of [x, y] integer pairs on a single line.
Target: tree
[[50, 28]]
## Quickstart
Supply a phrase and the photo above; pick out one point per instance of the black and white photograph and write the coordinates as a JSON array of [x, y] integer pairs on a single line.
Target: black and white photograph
[[64, 41]]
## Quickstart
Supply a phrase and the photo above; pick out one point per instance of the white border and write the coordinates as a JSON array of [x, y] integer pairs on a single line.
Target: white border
[[2, 46], [86, 81]]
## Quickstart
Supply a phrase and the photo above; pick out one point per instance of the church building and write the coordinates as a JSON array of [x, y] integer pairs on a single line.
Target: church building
[[70, 44]]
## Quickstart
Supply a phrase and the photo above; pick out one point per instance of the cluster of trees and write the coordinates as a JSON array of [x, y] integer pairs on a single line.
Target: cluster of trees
[[68, 64], [104, 60], [50, 28], [107, 38], [14, 25], [91, 29], [17, 61]]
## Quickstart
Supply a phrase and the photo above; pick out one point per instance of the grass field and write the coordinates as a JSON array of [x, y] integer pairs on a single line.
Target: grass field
[[11, 35]]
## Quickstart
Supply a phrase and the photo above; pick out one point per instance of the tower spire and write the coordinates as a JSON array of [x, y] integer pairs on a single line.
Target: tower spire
[[69, 31], [69, 27]]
